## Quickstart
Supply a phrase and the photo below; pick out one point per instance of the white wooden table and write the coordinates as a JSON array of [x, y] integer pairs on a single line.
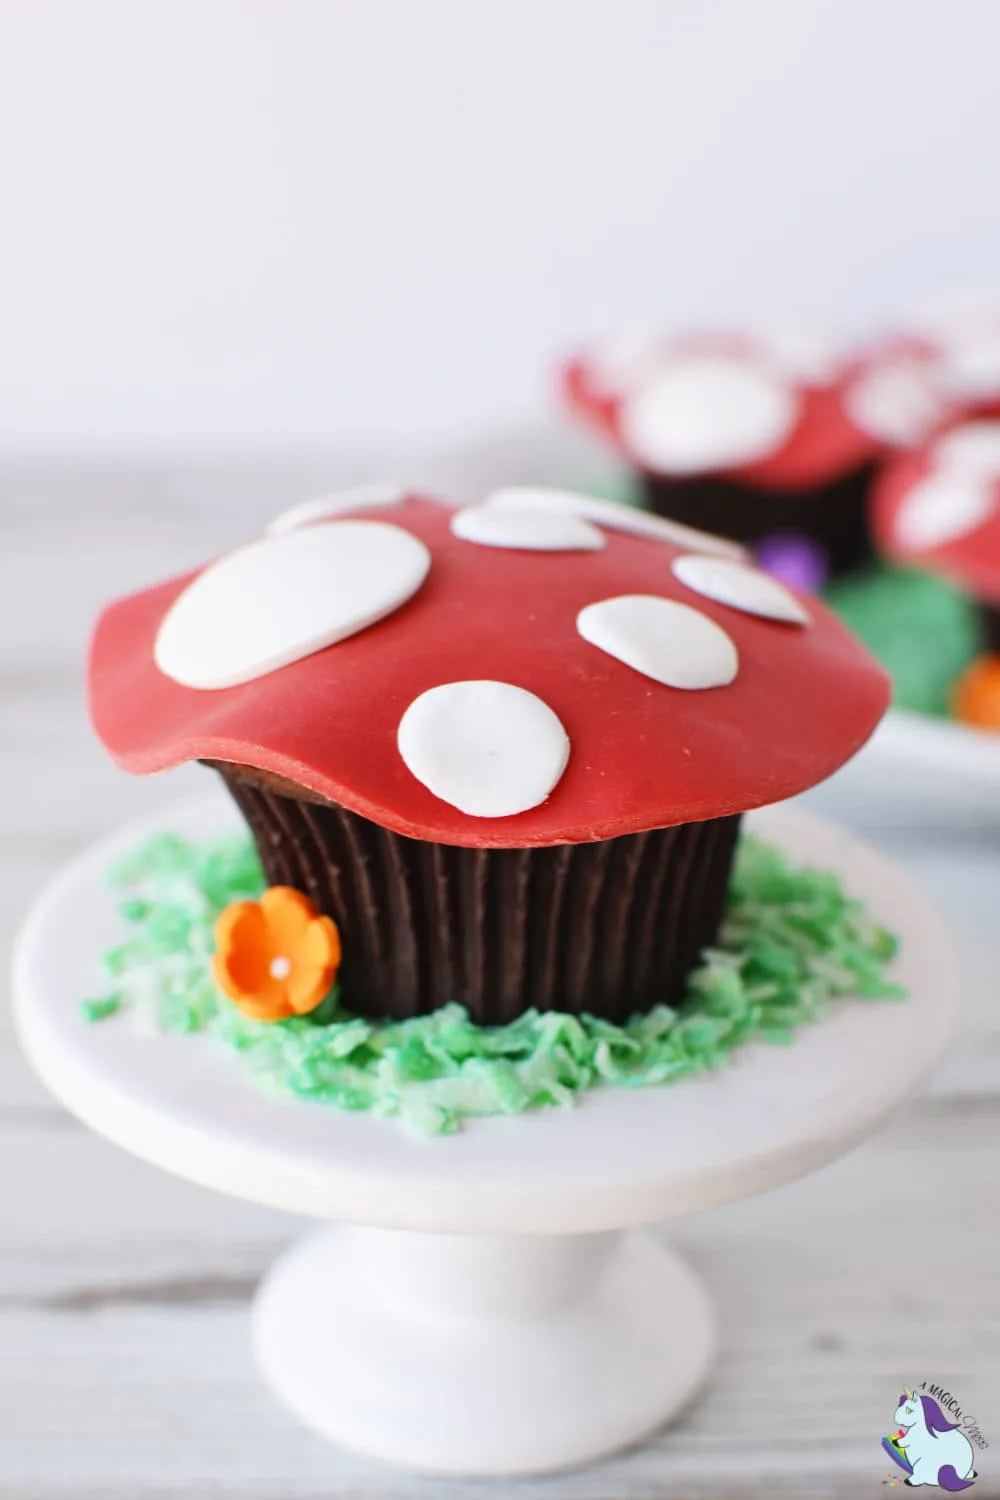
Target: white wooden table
[[125, 1370]]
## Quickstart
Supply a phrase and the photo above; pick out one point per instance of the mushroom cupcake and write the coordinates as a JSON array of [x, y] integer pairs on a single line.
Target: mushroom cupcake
[[958, 338], [505, 749], [938, 509], [769, 437]]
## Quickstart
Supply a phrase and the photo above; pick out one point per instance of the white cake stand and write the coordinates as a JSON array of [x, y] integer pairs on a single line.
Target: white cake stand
[[492, 1307]]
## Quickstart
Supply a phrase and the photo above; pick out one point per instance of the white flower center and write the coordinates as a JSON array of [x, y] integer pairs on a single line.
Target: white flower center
[[281, 967]]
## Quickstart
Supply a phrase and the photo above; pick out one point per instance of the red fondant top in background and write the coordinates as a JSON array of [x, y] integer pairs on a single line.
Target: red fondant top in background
[[972, 559], [642, 755], [824, 445]]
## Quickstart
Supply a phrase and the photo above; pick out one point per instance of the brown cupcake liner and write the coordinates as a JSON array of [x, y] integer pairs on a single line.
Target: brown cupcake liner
[[834, 516], [991, 627], [608, 928]]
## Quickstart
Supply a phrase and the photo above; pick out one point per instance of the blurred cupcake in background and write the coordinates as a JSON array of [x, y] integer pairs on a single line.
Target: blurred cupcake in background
[[937, 509], [770, 436], [958, 337]]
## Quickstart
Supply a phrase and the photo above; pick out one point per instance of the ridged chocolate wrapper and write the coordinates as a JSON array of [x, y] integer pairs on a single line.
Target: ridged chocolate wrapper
[[991, 623], [833, 516], [609, 928]]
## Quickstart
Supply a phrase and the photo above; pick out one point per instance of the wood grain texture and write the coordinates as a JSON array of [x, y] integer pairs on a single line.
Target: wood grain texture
[[125, 1370]]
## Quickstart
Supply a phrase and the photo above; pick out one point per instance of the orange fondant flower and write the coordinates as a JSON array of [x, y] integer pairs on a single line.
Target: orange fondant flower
[[275, 957], [976, 698]]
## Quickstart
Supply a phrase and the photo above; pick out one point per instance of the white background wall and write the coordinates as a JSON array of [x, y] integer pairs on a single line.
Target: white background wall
[[268, 223]]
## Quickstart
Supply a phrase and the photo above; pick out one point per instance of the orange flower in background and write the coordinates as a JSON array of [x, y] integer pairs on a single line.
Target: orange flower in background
[[275, 957], [976, 699]]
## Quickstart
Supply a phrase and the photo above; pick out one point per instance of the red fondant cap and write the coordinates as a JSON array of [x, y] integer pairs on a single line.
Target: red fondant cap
[[842, 409], [642, 755], [938, 507]]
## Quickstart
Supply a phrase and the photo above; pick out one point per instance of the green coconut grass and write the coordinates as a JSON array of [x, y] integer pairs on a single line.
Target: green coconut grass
[[792, 940], [923, 631]]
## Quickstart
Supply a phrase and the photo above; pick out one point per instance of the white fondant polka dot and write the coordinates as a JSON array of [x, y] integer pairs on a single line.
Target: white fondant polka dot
[[973, 448], [521, 527], [895, 402], [746, 589], [970, 371], [799, 351], [667, 641], [945, 505], [955, 316], [707, 411], [285, 597], [488, 748], [618, 363], [614, 517], [362, 497]]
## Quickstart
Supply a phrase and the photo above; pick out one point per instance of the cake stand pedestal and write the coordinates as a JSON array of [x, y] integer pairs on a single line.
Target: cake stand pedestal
[[494, 1354], [487, 1302]]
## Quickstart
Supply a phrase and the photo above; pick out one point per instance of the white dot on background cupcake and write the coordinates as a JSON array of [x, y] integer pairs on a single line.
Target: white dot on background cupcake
[[619, 362], [895, 402], [945, 505], [746, 589], [282, 598], [661, 638], [526, 529], [309, 512], [973, 448], [708, 411], [970, 371], [955, 316], [488, 748], [613, 517], [806, 354]]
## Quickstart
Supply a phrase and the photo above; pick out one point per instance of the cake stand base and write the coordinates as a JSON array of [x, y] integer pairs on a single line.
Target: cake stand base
[[487, 1355], [488, 1315]]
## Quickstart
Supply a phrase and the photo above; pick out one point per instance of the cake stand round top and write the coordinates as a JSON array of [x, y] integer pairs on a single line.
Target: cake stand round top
[[621, 1157]]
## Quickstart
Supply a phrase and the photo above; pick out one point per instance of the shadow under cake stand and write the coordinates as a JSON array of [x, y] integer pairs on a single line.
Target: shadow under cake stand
[[486, 1302]]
